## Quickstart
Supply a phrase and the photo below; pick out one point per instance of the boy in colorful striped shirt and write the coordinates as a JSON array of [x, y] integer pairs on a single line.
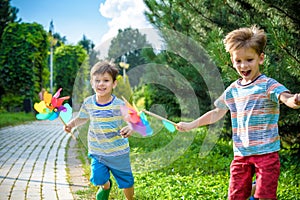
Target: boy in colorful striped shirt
[[108, 146], [253, 101]]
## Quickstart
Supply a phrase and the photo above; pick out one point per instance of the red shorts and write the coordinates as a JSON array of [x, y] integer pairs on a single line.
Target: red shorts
[[267, 170]]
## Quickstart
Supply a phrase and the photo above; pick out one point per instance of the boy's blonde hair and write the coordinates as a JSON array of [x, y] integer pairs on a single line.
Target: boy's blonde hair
[[103, 67], [252, 37]]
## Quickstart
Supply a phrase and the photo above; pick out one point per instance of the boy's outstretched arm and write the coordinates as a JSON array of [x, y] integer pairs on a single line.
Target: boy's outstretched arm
[[208, 118], [74, 123], [291, 100]]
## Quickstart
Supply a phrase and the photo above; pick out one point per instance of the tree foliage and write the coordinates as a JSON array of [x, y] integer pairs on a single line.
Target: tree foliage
[[70, 62], [207, 22], [129, 42], [88, 45], [23, 56], [60, 40], [123, 88], [8, 14]]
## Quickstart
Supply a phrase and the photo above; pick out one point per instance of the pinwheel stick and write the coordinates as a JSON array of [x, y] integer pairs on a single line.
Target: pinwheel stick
[[158, 117], [125, 100], [73, 136]]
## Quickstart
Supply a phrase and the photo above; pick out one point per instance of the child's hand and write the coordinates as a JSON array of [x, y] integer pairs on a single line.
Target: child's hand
[[68, 129], [126, 131], [183, 126]]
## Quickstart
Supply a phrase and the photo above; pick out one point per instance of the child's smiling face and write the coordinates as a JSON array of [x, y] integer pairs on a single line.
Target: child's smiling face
[[103, 85], [246, 61]]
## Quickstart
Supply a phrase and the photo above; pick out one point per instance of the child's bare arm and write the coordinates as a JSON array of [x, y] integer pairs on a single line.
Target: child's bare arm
[[208, 118], [291, 100], [74, 123]]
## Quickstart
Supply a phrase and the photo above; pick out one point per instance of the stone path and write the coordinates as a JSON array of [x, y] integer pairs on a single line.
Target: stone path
[[33, 162]]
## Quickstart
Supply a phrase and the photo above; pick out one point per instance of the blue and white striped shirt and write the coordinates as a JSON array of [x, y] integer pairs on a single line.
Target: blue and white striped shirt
[[106, 121]]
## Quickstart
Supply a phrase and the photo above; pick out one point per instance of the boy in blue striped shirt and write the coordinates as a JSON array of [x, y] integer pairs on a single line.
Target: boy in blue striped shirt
[[253, 101], [108, 146]]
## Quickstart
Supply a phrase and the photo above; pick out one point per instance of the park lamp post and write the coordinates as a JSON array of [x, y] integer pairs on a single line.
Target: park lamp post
[[52, 44], [124, 65], [51, 67]]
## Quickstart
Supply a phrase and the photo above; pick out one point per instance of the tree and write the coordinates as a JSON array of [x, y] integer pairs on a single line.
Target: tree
[[8, 15], [88, 45], [129, 42], [60, 40], [23, 60], [207, 22], [70, 61]]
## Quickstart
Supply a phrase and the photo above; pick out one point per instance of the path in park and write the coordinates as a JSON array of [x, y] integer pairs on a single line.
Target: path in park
[[33, 163]]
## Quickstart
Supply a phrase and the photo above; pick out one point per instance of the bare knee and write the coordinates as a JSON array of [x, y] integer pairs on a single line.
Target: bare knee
[[106, 186]]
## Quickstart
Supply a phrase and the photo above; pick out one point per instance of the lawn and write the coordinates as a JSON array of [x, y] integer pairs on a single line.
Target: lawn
[[12, 119], [185, 174]]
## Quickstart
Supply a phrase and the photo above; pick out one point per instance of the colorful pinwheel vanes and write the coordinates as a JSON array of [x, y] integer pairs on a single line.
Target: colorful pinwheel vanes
[[139, 122], [51, 108]]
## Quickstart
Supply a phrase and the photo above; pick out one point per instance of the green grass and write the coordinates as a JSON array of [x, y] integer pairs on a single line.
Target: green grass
[[12, 119], [190, 176]]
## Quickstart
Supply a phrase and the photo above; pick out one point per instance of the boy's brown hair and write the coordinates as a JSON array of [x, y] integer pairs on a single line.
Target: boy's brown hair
[[252, 37], [103, 67]]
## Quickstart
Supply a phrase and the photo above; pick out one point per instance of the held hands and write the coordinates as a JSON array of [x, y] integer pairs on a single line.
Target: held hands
[[126, 131]]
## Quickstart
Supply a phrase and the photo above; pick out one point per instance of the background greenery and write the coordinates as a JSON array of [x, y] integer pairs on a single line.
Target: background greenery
[[24, 54], [12, 119], [207, 22]]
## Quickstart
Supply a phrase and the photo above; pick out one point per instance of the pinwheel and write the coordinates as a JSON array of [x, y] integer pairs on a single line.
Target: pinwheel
[[137, 120], [169, 125], [51, 108]]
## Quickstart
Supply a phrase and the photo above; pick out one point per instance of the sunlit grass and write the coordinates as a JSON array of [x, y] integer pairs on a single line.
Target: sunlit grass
[[12, 119], [190, 176]]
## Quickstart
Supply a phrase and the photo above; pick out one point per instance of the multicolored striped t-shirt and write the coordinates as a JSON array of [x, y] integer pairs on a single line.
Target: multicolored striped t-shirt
[[254, 110], [106, 121]]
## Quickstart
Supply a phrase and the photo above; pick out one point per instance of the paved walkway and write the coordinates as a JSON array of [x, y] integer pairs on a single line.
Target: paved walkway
[[33, 162]]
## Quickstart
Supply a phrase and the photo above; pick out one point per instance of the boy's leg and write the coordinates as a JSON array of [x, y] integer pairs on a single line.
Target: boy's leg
[[129, 192], [107, 185], [125, 181], [104, 190], [241, 173], [100, 177], [267, 175], [99, 172], [253, 191], [121, 170]]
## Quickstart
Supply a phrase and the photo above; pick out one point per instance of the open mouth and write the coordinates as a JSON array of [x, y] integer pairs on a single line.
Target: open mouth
[[101, 89], [246, 73]]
